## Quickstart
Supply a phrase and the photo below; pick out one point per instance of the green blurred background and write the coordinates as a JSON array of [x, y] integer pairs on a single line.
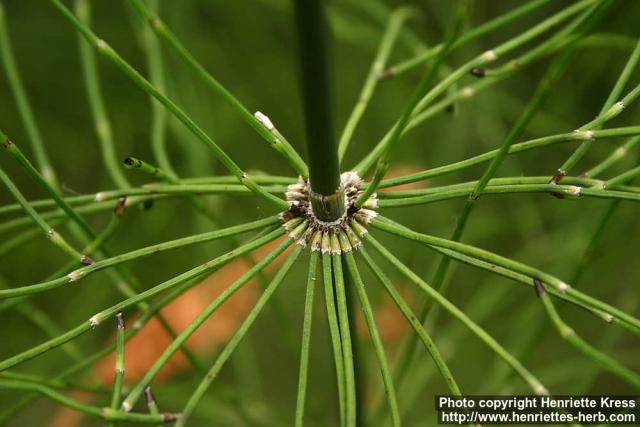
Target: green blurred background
[[250, 47]]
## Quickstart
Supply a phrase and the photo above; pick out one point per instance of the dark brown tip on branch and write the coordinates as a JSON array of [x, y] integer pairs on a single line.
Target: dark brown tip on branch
[[148, 394], [120, 205], [386, 74], [539, 287], [478, 72], [148, 204], [557, 177], [555, 180], [129, 161], [86, 260], [119, 321]]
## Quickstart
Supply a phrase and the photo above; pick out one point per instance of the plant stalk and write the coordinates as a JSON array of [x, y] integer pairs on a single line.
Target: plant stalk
[[327, 198]]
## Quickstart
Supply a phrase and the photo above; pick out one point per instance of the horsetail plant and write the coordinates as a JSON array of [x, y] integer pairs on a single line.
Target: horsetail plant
[[332, 217]]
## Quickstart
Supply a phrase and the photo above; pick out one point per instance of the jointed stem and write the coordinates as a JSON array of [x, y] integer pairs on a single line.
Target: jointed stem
[[327, 196], [137, 390], [142, 296], [96, 100], [396, 20], [375, 336], [306, 340], [529, 378], [345, 339], [23, 104], [334, 331], [106, 50], [204, 385]]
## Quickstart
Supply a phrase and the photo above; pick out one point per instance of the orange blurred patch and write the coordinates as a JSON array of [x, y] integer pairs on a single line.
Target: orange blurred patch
[[401, 169]]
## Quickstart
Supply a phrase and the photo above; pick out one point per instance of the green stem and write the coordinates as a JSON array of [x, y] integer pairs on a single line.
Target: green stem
[[384, 224], [105, 50], [487, 27], [138, 389], [96, 100], [515, 364], [567, 333], [345, 337], [226, 353], [414, 322], [324, 168], [104, 413], [334, 331], [51, 234], [303, 372], [149, 250], [119, 366], [23, 104], [395, 23], [269, 133], [142, 296], [375, 335]]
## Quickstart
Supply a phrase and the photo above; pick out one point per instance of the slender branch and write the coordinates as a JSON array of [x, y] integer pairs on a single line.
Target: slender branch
[[334, 331], [345, 336], [138, 389], [51, 234], [96, 100], [414, 322], [149, 250], [105, 50], [104, 413], [460, 13], [394, 25], [119, 368], [515, 364], [142, 296], [226, 353], [22, 103], [567, 333], [306, 341], [473, 34], [375, 335], [384, 224], [276, 139]]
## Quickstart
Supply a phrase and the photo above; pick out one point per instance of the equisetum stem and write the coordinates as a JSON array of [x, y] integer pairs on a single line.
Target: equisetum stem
[[306, 340], [515, 364], [567, 333], [345, 337], [138, 389], [416, 98], [119, 366], [142, 296], [96, 100], [465, 38], [23, 104], [107, 414], [105, 50], [51, 234], [334, 331], [81, 273], [375, 335], [394, 25], [414, 322], [226, 353], [269, 133], [628, 321], [326, 195]]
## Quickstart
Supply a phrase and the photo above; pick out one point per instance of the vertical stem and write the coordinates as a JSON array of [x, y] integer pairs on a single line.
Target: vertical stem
[[324, 172]]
